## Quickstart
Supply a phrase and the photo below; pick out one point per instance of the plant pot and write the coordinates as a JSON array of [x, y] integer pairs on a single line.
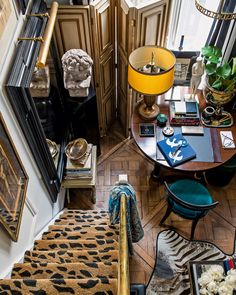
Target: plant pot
[[215, 97]]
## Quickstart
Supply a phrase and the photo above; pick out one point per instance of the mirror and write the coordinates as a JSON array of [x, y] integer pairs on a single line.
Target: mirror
[[31, 112]]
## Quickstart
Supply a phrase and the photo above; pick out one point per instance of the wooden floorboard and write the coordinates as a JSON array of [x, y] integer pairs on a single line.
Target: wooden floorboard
[[123, 157]]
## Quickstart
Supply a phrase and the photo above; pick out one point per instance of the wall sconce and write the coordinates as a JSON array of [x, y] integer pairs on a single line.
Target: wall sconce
[[206, 7], [151, 73]]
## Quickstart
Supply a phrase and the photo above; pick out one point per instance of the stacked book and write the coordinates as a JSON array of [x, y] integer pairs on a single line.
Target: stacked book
[[184, 113], [82, 169]]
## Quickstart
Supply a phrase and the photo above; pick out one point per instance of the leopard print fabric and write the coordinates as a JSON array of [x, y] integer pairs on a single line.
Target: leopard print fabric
[[65, 270], [104, 245], [51, 287], [69, 256], [83, 234]]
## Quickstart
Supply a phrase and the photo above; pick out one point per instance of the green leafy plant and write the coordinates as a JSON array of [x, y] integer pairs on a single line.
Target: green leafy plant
[[222, 75]]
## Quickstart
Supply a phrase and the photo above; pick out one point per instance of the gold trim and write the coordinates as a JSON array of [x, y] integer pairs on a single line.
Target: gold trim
[[123, 273], [39, 15], [214, 14], [43, 53], [40, 39]]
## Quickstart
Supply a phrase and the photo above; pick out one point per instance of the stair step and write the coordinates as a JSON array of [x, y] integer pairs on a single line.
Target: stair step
[[91, 222], [70, 228], [44, 286], [70, 256], [84, 215], [65, 270], [86, 234], [105, 245], [74, 211]]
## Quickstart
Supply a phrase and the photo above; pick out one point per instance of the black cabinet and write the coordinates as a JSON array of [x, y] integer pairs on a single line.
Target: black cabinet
[[83, 118]]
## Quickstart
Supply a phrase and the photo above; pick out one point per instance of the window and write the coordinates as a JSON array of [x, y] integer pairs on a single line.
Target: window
[[187, 21]]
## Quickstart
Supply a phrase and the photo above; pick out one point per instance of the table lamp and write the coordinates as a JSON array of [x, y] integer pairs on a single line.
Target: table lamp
[[151, 73]]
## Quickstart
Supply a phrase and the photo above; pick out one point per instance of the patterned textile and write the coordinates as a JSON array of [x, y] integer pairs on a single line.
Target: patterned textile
[[171, 275], [134, 226]]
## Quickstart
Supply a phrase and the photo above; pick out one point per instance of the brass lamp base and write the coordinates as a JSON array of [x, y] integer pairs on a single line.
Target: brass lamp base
[[148, 113], [149, 110]]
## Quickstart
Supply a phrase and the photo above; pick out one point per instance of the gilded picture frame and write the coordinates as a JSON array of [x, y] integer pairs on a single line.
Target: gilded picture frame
[[13, 184]]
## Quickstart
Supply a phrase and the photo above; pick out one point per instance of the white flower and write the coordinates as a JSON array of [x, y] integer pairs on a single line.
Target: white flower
[[225, 289], [231, 278], [213, 287], [217, 272], [204, 291], [205, 279]]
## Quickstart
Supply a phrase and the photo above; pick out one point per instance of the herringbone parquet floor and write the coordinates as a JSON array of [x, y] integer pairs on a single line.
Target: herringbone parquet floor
[[125, 158]]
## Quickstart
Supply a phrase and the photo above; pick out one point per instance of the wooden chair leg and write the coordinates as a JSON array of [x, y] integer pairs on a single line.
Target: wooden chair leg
[[194, 223], [168, 211]]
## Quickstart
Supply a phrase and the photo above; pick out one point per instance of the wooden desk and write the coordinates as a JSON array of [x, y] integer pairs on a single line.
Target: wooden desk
[[148, 144], [84, 183]]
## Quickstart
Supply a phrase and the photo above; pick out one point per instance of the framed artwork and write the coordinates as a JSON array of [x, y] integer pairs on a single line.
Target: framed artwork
[[13, 184], [183, 66]]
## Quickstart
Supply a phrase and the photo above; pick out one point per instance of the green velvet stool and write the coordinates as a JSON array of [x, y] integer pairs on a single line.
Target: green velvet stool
[[188, 199]]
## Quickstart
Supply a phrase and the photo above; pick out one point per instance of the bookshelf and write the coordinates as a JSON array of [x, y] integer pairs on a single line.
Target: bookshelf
[[89, 182]]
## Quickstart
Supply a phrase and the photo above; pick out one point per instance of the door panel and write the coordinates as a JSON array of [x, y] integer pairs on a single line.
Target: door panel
[[137, 26], [103, 33], [72, 29]]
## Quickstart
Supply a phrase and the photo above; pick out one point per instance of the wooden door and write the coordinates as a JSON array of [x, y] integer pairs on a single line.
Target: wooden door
[[103, 35], [145, 24], [72, 29]]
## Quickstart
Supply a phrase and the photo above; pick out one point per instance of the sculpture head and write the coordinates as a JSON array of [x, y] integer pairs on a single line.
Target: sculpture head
[[77, 63]]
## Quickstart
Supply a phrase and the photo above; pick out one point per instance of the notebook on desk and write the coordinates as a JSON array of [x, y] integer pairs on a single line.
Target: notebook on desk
[[174, 151], [201, 144]]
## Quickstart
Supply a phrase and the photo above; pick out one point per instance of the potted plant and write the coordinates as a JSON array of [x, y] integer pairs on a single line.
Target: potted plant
[[221, 76]]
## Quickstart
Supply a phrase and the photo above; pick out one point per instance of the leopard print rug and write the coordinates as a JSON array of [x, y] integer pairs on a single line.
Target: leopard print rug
[[76, 255]]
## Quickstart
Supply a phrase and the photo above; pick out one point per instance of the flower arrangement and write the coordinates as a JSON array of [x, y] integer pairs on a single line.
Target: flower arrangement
[[213, 281]]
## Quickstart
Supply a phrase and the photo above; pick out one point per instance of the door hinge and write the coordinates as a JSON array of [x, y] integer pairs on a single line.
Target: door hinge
[[133, 22]]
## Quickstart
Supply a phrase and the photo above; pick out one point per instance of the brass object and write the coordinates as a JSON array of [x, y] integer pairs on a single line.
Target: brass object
[[43, 53], [123, 272], [39, 15], [76, 149], [31, 39], [215, 14], [52, 147]]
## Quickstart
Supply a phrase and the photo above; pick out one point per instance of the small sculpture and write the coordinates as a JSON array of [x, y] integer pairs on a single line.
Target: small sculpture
[[197, 72], [77, 66], [40, 83]]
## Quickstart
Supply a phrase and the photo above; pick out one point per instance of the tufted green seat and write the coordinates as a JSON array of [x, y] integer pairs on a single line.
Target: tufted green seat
[[188, 199]]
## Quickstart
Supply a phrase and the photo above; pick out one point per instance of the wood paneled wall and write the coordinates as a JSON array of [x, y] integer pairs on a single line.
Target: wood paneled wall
[[92, 28]]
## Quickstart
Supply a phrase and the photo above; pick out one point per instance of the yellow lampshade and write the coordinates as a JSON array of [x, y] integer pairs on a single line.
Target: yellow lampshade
[[151, 83]]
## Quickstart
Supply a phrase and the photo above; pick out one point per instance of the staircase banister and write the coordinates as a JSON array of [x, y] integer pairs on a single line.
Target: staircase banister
[[123, 272]]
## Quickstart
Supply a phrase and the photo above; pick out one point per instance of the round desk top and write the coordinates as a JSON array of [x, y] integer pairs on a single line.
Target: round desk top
[[149, 147]]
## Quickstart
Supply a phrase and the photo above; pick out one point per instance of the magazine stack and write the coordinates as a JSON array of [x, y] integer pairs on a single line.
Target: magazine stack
[[82, 169]]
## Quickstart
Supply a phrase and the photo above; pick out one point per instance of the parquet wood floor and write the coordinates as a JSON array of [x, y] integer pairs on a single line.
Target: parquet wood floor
[[123, 157]]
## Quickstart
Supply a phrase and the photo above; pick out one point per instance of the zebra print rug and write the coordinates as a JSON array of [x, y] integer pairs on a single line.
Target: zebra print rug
[[171, 275]]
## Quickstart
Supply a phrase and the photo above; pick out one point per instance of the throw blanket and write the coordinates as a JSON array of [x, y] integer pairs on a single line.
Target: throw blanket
[[134, 226]]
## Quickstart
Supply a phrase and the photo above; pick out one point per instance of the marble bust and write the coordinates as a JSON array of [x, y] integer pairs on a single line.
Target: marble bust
[[77, 67], [40, 83]]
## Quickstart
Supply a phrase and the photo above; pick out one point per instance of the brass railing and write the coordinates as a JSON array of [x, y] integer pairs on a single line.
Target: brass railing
[[123, 272]]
